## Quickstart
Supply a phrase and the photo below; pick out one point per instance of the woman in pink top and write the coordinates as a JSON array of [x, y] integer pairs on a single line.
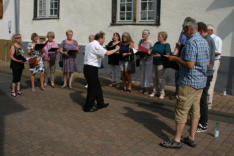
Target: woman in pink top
[[49, 58]]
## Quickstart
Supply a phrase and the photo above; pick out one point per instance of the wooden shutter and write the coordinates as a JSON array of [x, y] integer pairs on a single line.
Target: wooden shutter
[[35, 9], [114, 11], [1, 9], [158, 12]]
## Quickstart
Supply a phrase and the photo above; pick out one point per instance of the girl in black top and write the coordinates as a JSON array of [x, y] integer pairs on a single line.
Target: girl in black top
[[17, 63], [113, 60]]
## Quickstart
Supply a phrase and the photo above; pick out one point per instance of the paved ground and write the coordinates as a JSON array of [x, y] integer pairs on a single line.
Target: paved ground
[[51, 123]]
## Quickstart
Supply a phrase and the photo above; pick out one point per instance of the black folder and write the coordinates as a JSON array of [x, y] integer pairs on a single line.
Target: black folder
[[53, 49], [72, 52], [39, 46]]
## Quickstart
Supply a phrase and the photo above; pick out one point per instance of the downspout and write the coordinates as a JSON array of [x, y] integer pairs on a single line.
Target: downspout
[[17, 16]]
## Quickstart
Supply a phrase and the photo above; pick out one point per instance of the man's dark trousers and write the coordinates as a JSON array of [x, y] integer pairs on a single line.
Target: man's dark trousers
[[94, 87], [204, 103]]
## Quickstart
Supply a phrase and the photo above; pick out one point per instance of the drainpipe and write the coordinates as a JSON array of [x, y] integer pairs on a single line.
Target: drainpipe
[[17, 16]]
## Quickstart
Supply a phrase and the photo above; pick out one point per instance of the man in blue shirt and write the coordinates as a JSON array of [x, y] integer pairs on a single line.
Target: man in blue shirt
[[193, 63]]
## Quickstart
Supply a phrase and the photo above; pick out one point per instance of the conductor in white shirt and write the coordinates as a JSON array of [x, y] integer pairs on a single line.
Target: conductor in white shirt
[[94, 53]]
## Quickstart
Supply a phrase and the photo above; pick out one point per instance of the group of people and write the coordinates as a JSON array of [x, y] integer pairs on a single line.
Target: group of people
[[196, 58], [41, 57]]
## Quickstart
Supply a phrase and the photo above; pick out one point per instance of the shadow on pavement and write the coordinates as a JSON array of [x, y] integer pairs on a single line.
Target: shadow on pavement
[[7, 106], [78, 98], [150, 121]]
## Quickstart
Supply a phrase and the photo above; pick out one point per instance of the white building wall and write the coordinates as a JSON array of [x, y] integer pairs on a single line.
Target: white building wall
[[86, 17], [8, 15]]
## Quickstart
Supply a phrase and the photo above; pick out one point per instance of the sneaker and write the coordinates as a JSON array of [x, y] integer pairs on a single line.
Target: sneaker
[[201, 128], [162, 95], [152, 94]]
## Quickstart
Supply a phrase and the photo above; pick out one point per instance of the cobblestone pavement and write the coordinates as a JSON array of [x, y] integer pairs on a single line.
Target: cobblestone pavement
[[52, 123]]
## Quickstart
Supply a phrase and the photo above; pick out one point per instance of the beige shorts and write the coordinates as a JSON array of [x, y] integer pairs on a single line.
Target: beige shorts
[[188, 101]]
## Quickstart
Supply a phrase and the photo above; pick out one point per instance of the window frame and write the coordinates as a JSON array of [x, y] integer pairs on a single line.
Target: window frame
[[118, 14], [136, 14], [36, 11], [139, 20]]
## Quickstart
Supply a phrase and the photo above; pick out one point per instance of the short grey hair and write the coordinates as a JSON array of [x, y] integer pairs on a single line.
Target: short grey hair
[[210, 27], [193, 24], [187, 20], [146, 31]]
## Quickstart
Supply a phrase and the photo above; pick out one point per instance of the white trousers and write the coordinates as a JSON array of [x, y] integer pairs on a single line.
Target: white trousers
[[212, 83]]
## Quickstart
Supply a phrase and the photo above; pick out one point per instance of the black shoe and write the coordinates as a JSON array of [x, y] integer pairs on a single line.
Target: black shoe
[[171, 144], [102, 106], [89, 109], [188, 141]]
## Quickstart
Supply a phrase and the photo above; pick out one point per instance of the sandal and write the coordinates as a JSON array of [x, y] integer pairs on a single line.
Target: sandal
[[171, 144], [19, 92], [13, 94], [188, 141]]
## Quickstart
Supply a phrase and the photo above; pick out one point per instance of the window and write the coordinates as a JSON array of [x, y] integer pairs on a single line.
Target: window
[[125, 10], [46, 9], [147, 10], [136, 12]]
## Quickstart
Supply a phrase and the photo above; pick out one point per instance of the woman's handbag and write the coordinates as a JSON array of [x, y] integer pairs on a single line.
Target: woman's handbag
[[132, 67], [33, 62], [61, 61], [131, 64]]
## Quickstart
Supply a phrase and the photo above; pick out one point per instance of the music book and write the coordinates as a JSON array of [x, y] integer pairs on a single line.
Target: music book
[[53, 49], [39, 46], [72, 52], [142, 51]]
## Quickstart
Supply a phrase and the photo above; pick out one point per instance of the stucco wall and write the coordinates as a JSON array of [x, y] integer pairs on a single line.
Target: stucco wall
[[8, 15]]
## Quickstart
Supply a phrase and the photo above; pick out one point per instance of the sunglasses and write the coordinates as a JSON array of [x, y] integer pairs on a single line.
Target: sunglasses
[[18, 38]]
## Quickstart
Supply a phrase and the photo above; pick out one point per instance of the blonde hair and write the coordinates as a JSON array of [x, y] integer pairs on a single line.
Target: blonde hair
[[69, 31], [52, 34], [14, 36], [163, 34]]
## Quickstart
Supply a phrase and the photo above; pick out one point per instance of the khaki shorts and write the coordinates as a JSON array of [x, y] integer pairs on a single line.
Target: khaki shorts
[[188, 101]]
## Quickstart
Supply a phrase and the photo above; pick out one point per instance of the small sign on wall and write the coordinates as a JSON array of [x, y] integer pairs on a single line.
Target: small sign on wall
[[1, 9]]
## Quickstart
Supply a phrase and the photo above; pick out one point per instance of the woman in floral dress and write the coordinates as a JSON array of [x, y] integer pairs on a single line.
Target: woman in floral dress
[[39, 68]]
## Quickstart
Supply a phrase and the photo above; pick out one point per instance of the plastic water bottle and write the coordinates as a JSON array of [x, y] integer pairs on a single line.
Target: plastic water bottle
[[216, 131], [224, 92]]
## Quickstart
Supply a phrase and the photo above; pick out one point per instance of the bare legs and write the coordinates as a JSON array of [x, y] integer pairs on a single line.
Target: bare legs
[[41, 81], [69, 76], [126, 77], [70, 79], [180, 128]]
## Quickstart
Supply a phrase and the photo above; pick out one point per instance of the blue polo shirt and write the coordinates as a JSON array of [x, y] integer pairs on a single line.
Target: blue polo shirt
[[196, 50]]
